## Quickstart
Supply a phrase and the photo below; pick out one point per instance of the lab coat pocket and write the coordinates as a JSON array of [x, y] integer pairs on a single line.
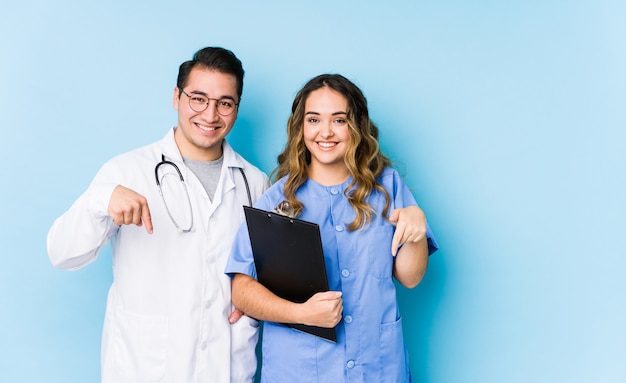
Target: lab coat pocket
[[245, 334], [139, 348], [378, 249], [393, 353]]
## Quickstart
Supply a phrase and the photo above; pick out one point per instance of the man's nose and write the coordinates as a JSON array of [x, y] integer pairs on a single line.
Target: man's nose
[[210, 113]]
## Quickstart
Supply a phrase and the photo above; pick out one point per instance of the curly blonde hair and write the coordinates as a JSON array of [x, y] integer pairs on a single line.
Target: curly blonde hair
[[364, 160]]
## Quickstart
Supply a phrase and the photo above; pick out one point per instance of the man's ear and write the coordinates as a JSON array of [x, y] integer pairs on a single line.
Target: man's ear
[[176, 98]]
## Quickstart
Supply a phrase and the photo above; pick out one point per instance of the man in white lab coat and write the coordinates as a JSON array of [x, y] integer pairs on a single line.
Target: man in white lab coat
[[171, 210]]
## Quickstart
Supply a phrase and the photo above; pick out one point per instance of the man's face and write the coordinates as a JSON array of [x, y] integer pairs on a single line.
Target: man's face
[[199, 135]]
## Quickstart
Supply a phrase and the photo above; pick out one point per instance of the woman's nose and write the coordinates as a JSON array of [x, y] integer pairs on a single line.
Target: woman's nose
[[326, 130]]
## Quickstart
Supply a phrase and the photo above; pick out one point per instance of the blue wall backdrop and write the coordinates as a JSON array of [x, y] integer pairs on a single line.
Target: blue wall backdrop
[[508, 120]]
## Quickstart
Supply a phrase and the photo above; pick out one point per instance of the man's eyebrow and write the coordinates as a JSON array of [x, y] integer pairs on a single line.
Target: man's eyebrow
[[207, 96], [198, 92]]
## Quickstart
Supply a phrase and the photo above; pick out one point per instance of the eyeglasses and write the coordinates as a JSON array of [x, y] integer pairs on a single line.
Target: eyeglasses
[[199, 102]]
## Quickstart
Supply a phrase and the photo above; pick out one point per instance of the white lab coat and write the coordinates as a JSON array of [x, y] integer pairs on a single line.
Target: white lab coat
[[167, 309]]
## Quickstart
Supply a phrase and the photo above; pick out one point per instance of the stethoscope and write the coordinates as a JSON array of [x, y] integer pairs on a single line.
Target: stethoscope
[[182, 180]]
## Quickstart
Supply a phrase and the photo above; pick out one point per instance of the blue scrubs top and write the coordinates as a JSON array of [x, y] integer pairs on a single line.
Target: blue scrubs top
[[370, 345]]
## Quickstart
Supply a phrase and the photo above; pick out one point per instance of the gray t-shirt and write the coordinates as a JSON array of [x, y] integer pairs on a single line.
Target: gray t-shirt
[[207, 172]]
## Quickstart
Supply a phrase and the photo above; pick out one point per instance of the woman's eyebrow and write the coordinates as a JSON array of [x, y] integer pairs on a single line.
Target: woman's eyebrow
[[317, 113]]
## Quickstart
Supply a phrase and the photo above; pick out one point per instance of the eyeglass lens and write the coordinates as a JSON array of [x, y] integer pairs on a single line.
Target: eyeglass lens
[[199, 103]]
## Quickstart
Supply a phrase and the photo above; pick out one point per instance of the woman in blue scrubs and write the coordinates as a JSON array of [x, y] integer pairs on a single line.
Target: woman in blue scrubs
[[332, 173]]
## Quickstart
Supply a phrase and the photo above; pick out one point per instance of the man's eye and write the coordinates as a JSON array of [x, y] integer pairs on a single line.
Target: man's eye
[[198, 99], [226, 102]]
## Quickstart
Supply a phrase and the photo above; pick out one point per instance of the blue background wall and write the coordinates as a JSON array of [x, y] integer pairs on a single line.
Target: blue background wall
[[506, 118]]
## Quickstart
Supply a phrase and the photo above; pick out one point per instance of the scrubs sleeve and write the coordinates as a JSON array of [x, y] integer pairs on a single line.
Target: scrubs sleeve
[[403, 197], [241, 260]]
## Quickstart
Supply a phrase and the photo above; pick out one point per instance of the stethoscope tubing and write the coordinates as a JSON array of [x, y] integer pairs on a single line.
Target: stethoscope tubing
[[182, 180]]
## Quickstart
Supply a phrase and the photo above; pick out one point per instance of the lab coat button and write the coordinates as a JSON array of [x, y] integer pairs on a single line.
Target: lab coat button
[[345, 273], [339, 228], [348, 319], [350, 364], [334, 191]]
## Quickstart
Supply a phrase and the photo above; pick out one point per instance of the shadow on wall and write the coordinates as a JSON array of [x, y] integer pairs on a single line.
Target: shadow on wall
[[419, 309]]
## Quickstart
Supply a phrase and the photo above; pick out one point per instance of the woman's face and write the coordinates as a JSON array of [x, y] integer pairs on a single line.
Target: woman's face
[[326, 134]]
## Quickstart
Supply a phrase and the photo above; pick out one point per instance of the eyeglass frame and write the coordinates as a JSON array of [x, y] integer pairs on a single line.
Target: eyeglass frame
[[217, 100]]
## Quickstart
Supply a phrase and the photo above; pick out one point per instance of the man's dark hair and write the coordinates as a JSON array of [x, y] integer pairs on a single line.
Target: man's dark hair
[[214, 58]]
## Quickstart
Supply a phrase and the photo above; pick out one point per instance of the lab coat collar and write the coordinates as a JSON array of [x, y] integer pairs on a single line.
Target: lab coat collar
[[169, 147]]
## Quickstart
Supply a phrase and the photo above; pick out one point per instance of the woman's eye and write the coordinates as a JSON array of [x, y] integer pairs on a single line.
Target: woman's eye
[[312, 120], [340, 121]]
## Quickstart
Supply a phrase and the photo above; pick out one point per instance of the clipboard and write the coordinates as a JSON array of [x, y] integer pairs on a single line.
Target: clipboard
[[289, 260]]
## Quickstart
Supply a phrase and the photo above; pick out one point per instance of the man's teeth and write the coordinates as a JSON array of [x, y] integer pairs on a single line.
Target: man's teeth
[[206, 128]]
